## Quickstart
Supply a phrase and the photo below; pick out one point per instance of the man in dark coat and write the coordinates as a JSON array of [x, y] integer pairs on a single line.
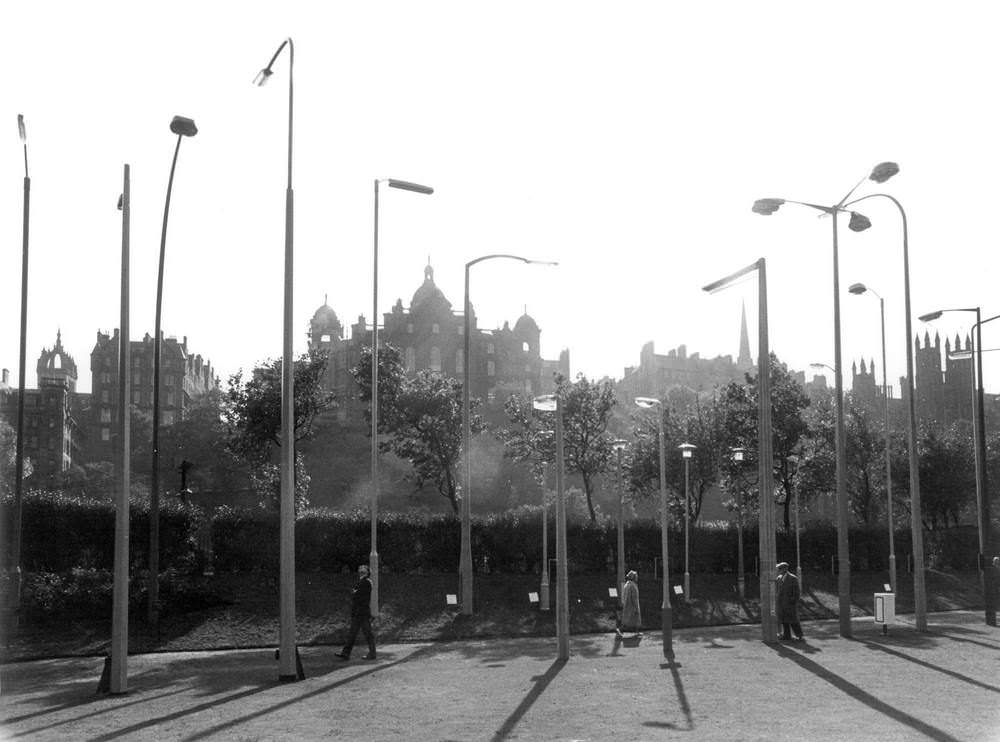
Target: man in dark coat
[[361, 617], [788, 603]]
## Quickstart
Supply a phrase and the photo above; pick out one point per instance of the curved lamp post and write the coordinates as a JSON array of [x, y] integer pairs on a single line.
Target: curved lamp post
[[465, 555], [979, 433], [182, 127], [287, 650], [857, 289], [687, 450], [619, 445], [373, 556], [765, 445], [666, 611], [15, 546], [552, 403], [858, 223]]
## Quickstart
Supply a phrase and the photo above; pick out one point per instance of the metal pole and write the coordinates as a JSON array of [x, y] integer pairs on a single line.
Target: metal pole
[[465, 558], [562, 577], [888, 457], [740, 579], [765, 465], [119, 592], [666, 610], [544, 604], [15, 555], [373, 556], [687, 533], [985, 540], [798, 546], [621, 525], [843, 549]]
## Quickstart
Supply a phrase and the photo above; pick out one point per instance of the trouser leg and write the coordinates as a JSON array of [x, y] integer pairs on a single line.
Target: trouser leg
[[797, 628], [352, 635], [366, 627]]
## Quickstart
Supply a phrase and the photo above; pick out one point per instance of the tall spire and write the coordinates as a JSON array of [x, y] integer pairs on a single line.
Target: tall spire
[[744, 360]]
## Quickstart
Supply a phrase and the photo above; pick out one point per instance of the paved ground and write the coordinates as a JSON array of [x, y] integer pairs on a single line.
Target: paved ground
[[724, 684]]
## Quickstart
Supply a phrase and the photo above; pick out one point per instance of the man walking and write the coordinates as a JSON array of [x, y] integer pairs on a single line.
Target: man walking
[[361, 617], [788, 603]]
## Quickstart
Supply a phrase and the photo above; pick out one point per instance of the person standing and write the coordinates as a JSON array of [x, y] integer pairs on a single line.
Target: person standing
[[631, 612], [788, 602], [361, 617]]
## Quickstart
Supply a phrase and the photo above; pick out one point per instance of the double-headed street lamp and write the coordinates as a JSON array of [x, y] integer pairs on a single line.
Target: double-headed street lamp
[[373, 556], [287, 650], [979, 432], [666, 611], [687, 450], [858, 223], [858, 289], [765, 445], [551, 403], [465, 555], [182, 127]]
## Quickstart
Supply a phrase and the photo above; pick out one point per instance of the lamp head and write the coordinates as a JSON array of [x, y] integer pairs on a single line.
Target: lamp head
[[960, 355], [407, 186], [739, 454], [20, 128], [262, 77], [883, 171], [183, 126], [686, 449], [545, 403], [121, 201], [647, 403], [857, 288], [767, 206], [931, 316], [859, 222], [619, 444]]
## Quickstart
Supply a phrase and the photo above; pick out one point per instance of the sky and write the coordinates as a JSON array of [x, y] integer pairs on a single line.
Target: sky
[[627, 141]]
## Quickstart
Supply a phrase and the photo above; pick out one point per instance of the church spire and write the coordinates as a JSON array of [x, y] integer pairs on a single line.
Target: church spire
[[744, 360]]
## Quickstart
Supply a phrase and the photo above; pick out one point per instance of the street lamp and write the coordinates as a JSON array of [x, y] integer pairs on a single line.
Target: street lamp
[[544, 600], [288, 652], [666, 611], [858, 223], [552, 403], [738, 456], [373, 567], [858, 289], [619, 445], [465, 557], [979, 433], [687, 449], [765, 463], [182, 127], [15, 551]]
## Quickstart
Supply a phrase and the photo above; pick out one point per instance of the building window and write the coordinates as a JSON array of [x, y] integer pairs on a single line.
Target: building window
[[460, 361], [135, 397], [436, 328], [105, 434], [170, 399], [491, 396], [105, 396], [461, 329], [324, 338], [527, 368], [435, 358], [525, 347], [137, 361], [491, 368], [168, 418], [168, 379], [105, 414], [411, 359], [490, 348]]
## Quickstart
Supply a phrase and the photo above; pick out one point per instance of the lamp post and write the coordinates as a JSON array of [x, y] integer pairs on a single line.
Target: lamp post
[[666, 611], [544, 600], [765, 463], [465, 556], [982, 490], [373, 567], [15, 550], [182, 127], [858, 223], [552, 403], [687, 449], [858, 289], [287, 649], [738, 455], [619, 448]]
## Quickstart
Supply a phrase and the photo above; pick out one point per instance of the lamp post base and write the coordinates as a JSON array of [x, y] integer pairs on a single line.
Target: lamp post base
[[668, 628]]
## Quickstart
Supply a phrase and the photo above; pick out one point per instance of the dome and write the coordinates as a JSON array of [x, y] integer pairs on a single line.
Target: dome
[[325, 316], [428, 290], [526, 323]]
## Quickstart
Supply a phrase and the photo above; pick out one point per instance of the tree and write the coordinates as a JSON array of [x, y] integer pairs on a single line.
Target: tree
[[586, 409], [422, 415], [947, 474], [252, 414]]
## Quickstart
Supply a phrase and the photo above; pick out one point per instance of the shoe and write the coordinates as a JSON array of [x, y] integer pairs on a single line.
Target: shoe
[[786, 638], [369, 656], [342, 656]]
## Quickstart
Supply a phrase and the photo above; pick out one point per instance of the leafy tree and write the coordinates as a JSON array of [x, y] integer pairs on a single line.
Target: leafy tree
[[586, 409], [947, 474], [252, 414], [422, 415]]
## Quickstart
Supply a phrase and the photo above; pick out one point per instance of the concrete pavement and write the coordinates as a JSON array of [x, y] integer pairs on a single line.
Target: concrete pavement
[[724, 684]]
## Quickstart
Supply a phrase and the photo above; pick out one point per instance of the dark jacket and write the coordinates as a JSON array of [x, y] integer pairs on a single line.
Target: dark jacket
[[788, 598], [361, 598]]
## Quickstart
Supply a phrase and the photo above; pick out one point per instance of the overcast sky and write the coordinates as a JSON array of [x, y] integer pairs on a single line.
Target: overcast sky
[[627, 141]]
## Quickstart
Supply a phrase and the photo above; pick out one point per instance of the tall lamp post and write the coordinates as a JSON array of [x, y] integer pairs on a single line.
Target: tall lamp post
[[182, 127], [738, 456], [982, 491], [858, 289], [15, 550], [687, 450], [619, 447], [544, 600], [552, 403], [373, 567], [858, 223], [666, 611], [465, 556], [765, 444], [288, 653]]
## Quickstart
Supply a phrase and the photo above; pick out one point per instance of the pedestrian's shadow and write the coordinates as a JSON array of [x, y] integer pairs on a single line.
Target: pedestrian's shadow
[[541, 683]]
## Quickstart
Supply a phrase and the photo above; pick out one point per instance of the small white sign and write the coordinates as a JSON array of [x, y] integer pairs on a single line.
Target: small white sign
[[612, 592], [451, 599], [678, 590], [887, 587], [533, 597]]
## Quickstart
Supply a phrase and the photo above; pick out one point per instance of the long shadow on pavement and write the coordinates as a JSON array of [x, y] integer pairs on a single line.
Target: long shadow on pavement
[[674, 668], [957, 675], [866, 698], [541, 683]]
